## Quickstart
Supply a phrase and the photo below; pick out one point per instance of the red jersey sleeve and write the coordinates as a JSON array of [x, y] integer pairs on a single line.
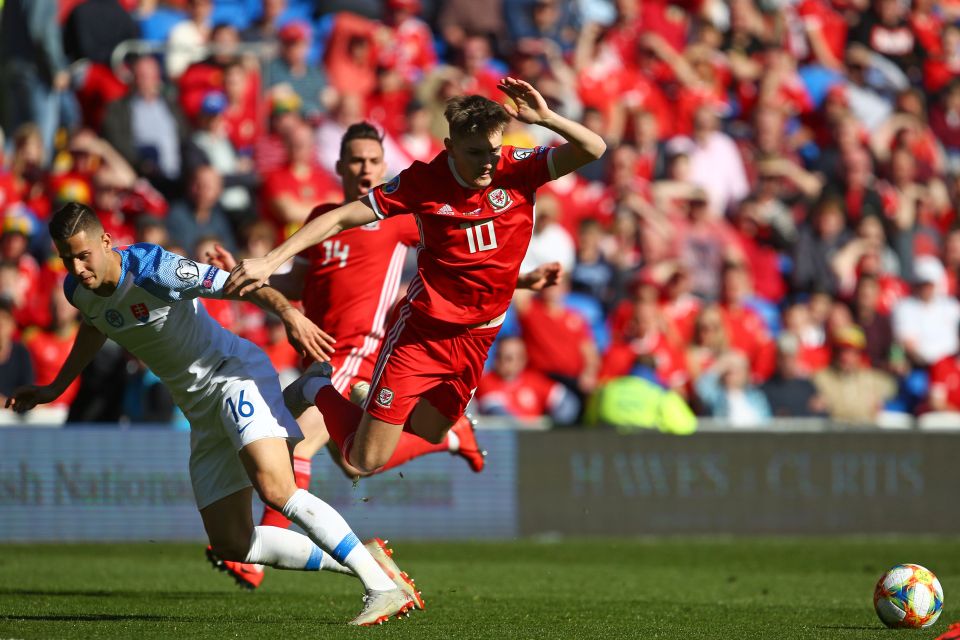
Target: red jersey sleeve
[[527, 169], [404, 194]]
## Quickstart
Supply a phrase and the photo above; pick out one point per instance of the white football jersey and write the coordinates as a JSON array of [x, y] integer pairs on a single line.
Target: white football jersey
[[154, 314]]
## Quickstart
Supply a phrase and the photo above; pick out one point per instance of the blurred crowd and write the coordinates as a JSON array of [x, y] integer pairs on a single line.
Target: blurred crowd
[[772, 232]]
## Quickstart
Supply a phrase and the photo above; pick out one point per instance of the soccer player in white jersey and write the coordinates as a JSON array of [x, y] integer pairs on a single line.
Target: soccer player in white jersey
[[145, 299]]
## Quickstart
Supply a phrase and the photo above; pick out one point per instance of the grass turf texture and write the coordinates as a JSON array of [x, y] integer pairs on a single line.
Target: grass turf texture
[[676, 588]]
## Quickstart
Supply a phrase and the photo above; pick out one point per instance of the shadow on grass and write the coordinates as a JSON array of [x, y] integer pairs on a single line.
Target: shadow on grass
[[93, 617], [99, 593], [848, 627]]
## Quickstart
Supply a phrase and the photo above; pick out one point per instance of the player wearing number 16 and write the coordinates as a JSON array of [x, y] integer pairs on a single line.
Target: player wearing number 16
[[473, 205], [242, 435]]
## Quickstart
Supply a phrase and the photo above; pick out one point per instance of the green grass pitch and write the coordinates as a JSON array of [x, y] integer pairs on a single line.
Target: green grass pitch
[[658, 588]]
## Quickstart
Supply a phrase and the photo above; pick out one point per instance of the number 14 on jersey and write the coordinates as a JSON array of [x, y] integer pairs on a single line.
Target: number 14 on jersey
[[334, 250]]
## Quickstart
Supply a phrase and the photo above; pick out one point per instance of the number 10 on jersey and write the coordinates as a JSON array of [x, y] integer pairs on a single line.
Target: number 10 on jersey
[[480, 235]]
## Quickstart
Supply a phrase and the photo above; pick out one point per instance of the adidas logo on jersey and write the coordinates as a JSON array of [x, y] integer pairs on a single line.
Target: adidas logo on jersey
[[446, 210]]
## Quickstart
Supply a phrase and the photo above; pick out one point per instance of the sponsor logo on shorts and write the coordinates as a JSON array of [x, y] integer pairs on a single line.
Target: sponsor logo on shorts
[[391, 186], [114, 318], [187, 270], [209, 276], [446, 210], [385, 397], [499, 199], [522, 154], [140, 312]]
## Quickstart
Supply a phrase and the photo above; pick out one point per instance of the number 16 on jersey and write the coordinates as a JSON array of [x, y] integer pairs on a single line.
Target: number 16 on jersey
[[480, 235]]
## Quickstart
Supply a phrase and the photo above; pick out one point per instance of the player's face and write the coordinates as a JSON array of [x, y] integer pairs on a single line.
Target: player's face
[[86, 258], [362, 168], [476, 157]]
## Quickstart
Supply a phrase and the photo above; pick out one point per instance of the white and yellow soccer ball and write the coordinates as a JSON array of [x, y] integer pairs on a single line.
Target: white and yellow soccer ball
[[908, 596]]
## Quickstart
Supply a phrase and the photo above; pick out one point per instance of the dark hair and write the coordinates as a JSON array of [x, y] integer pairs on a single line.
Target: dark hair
[[71, 219], [470, 115], [359, 131]]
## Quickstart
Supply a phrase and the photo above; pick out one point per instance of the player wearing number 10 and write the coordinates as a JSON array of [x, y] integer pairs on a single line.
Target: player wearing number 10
[[473, 205], [145, 299]]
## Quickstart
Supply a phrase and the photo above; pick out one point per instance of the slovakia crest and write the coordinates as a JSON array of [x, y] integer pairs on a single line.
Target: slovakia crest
[[499, 199], [385, 397], [140, 312]]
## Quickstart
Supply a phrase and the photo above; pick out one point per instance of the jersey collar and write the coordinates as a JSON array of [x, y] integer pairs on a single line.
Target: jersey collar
[[453, 169]]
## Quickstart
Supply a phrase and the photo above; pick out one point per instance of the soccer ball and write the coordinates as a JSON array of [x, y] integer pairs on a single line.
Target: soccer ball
[[908, 597]]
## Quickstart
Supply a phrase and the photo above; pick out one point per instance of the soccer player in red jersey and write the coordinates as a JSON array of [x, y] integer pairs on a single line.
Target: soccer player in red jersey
[[473, 205], [348, 285]]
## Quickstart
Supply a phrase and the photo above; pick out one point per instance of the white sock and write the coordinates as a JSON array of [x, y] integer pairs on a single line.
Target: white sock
[[330, 531], [312, 387], [453, 441], [285, 549]]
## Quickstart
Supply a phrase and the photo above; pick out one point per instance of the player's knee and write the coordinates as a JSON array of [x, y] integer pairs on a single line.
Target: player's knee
[[275, 492], [366, 462]]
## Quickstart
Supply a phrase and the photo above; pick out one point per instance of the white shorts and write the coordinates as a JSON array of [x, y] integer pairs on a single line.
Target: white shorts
[[243, 404]]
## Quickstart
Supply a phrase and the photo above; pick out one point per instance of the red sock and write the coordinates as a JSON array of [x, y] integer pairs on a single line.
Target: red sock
[[342, 418], [301, 475], [409, 447]]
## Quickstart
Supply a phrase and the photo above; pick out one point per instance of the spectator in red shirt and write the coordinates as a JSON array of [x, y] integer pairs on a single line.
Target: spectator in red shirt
[[745, 327], [409, 48], [270, 148], [23, 275], [241, 86], [511, 389], [284, 357], [290, 193], [945, 385], [49, 348], [559, 341], [481, 78]]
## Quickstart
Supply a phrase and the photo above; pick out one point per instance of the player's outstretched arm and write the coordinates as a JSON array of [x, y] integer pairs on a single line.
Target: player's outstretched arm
[[289, 284], [88, 341], [583, 146], [306, 337], [252, 273]]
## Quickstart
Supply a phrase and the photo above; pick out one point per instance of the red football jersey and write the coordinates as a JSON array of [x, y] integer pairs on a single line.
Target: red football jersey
[[353, 280], [945, 381], [471, 240], [529, 395]]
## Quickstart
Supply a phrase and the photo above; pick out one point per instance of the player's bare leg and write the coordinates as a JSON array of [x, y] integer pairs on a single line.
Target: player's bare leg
[[431, 425]]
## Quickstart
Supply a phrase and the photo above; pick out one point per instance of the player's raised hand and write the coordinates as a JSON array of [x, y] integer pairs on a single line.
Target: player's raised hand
[[29, 396], [249, 275], [546, 275], [306, 337], [221, 258], [530, 107]]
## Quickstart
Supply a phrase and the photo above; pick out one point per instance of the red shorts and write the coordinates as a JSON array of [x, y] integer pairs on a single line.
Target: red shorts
[[421, 358]]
